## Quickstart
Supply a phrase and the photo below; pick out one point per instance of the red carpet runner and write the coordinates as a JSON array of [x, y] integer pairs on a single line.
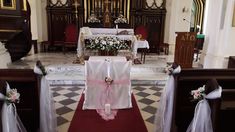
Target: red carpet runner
[[126, 120]]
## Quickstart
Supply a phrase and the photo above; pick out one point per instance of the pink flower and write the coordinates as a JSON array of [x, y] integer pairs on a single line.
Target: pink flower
[[13, 96], [108, 80], [199, 93]]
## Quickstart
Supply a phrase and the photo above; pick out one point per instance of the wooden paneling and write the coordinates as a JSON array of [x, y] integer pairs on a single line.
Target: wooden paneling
[[153, 18], [13, 21], [58, 16], [231, 62], [184, 49], [136, 11], [15, 29]]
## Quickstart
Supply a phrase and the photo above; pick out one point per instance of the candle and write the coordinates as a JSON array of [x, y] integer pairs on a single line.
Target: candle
[[107, 109], [117, 28]]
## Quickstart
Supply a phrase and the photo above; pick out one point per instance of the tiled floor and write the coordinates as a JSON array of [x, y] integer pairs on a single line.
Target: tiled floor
[[66, 100], [147, 82]]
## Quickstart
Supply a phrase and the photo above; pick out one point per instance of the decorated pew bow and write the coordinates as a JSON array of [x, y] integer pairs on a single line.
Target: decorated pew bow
[[202, 115], [163, 116], [10, 119], [47, 109]]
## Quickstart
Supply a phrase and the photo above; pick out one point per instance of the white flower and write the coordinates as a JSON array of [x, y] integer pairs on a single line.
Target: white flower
[[96, 41], [120, 19], [103, 42], [13, 96], [108, 43]]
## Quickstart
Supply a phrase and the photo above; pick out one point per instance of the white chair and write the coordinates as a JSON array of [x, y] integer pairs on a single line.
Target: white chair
[[98, 93]]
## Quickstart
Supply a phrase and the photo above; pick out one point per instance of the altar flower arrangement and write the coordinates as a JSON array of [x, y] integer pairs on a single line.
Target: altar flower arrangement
[[93, 19], [199, 93], [106, 43], [120, 19], [13, 96]]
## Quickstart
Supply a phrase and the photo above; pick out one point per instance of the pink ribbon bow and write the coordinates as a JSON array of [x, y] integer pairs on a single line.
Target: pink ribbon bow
[[107, 95]]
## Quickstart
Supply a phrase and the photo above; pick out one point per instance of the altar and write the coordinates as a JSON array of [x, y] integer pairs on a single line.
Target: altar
[[126, 35]]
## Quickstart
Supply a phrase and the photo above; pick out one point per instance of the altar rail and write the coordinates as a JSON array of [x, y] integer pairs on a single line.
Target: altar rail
[[191, 79]]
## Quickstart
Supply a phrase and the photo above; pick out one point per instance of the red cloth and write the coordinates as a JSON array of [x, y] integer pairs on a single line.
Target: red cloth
[[71, 33], [127, 120], [142, 30]]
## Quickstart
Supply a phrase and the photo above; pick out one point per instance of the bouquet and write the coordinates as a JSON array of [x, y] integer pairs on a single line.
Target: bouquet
[[199, 93], [120, 19], [106, 43], [13, 96]]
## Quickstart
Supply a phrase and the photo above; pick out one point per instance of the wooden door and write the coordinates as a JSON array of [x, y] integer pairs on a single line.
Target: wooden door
[[184, 49]]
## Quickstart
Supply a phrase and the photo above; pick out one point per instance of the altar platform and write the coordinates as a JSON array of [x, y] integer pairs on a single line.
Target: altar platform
[[64, 72]]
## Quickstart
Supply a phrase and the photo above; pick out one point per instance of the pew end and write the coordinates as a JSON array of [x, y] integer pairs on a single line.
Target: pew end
[[190, 79], [27, 84]]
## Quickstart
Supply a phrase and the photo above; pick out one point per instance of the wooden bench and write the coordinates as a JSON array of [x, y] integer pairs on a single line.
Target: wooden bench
[[27, 84], [190, 79]]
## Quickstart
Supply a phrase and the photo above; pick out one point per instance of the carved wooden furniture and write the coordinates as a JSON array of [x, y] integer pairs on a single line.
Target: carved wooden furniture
[[60, 14], [184, 49], [15, 27], [27, 83], [141, 12], [71, 37], [190, 79]]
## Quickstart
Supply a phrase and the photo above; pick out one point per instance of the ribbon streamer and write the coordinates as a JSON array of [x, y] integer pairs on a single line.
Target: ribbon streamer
[[202, 115], [48, 122], [163, 117]]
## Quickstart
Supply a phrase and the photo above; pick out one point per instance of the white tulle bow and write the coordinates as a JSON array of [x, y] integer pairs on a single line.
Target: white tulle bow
[[202, 115], [10, 119], [163, 116], [48, 122]]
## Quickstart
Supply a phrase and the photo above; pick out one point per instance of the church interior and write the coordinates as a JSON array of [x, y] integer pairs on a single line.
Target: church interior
[[117, 65]]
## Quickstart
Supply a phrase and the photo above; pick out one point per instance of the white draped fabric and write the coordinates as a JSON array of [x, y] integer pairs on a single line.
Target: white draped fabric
[[5, 57], [86, 33], [202, 115], [118, 94], [140, 44], [10, 119], [110, 31], [95, 58], [48, 122], [163, 117]]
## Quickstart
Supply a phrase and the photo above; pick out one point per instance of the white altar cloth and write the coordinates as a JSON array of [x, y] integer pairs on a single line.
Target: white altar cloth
[[113, 58], [140, 44], [86, 33]]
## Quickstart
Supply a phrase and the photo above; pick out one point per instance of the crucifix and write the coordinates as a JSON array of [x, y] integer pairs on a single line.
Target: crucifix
[[107, 16]]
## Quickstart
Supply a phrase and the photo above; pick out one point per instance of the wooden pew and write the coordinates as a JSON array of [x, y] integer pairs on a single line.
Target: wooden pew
[[190, 79], [27, 84], [3, 91]]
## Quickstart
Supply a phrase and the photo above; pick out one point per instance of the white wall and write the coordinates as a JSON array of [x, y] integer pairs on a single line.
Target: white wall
[[38, 20], [219, 41], [174, 20], [34, 19]]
